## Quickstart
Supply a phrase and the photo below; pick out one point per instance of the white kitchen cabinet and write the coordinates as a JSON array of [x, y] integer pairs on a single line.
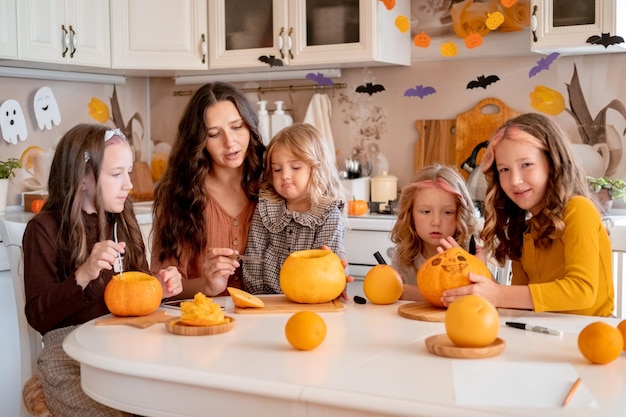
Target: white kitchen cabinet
[[64, 31], [365, 236], [8, 30], [159, 34], [565, 25], [306, 33]]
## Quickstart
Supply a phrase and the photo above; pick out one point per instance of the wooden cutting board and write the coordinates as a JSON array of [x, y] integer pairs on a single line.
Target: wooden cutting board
[[441, 345], [277, 304], [176, 327], [159, 316], [478, 125], [422, 311], [436, 142]]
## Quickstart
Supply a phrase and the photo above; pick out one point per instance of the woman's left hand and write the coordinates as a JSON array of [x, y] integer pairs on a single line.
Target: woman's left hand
[[481, 285], [171, 281]]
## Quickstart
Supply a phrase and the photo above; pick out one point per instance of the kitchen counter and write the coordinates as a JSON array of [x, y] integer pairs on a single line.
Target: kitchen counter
[[372, 363]]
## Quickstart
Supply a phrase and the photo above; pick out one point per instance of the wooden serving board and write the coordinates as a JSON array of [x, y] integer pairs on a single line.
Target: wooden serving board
[[436, 142], [141, 322], [176, 327], [277, 304], [441, 345], [422, 311]]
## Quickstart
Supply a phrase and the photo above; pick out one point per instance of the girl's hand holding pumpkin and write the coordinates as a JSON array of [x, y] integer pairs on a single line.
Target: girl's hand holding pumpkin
[[103, 256], [171, 281], [218, 266], [481, 285]]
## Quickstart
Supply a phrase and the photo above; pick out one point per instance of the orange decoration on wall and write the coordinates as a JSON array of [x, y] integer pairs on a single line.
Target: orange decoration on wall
[[389, 4], [473, 40], [422, 40], [508, 3], [402, 23], [448, 49]]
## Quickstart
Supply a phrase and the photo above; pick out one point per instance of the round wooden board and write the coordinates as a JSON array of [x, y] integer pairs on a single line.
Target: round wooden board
[[441, 345], [176, 327], [422, 311]]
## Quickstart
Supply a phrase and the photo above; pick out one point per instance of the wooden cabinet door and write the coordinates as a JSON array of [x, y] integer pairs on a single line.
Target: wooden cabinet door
[[8, 30]]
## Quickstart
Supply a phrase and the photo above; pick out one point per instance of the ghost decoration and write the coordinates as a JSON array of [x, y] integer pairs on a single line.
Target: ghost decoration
[[12, 123], [46, 109]]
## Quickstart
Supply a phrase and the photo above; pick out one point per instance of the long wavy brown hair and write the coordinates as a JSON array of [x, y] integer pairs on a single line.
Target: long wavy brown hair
[[505, 222], [408, 243], [79, 155], [180, 197]]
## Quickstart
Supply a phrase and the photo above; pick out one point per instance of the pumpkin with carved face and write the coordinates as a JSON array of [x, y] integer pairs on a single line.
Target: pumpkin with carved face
[[447, 270]]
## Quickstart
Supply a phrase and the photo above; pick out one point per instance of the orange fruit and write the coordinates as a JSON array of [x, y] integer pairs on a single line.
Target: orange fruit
[[382, 285], [622, 328], [158, 164], [312, 276], [305, 330], [27, 159], [600, 343], [244, 299], [472, 321]]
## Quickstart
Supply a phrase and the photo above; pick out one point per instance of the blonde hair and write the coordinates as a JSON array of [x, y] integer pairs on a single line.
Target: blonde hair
[[306, 143], [408, 243]]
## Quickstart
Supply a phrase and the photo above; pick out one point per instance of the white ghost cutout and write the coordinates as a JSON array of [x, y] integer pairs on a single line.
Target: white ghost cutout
[[12, 122], [46, 109]]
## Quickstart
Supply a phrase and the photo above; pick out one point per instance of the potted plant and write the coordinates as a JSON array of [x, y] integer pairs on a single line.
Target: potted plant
[[7, 169], [607, 189]]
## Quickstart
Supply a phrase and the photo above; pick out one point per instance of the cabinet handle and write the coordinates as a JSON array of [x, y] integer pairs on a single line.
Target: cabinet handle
[[204, 49], [533, 23], [66, 40], [73, 43], [280, 42], [289, 43]]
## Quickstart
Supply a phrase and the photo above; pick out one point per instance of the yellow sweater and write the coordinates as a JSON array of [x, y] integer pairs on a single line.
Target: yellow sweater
[[575, 274]]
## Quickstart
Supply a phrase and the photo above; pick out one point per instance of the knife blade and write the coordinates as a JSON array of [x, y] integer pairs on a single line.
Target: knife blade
[[246, 258], [118, 266]]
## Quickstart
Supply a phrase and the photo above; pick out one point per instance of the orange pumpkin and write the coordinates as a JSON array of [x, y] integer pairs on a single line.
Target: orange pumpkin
[[508, 3], [357, 207], [422, 40], [133, 294], [389, 4], [312, 276], [445, 271], [473, 40], [36, 205]]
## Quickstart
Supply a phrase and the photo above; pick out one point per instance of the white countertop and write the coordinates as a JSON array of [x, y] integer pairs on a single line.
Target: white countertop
[[373, 362]]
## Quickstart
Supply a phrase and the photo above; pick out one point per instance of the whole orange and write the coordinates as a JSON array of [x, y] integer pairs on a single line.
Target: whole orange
[[382, 285], [312, 276], [472, 321], [600, 343], [447, 270], [305, 330], [622, 328], [133, 293]]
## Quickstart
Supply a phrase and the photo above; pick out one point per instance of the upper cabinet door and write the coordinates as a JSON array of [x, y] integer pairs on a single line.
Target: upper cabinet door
[[64, 31], [566, 26], [8, 30], [256, 34], [159, 34]]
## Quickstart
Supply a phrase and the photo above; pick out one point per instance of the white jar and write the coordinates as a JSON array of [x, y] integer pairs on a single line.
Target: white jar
[[384, 188]]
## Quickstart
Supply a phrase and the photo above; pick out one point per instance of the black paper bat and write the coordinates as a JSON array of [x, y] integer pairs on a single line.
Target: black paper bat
[[543, 64], [271, 60], [319, 78], [420, 91], [482, 81], [370, 88], [606, 39]]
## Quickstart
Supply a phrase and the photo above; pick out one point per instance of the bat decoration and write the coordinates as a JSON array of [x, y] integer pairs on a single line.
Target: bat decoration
[[271, 60], [370, 88], [482, 81], [605, 40], [420, 91], [543, 64], [319, 78]]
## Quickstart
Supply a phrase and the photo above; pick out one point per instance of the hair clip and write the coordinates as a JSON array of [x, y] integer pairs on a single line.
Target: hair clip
[[86, 156], [113, 132]]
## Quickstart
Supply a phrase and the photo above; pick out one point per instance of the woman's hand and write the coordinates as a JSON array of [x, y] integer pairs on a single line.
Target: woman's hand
[[102, 256], [481, 285], [218, 266], [171, 281]]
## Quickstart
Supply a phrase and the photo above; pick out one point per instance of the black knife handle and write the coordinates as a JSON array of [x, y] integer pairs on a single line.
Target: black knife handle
[[379, 258], [472, 245]]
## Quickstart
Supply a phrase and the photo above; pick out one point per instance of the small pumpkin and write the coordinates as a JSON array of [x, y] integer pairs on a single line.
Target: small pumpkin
[[357, 207], [312, 276], [473, 40], [133, 293], [447, 270], [36, 205], [422, 40]]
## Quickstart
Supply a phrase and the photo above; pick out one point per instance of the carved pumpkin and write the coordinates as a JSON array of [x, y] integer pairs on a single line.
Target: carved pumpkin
[[473, 40], [422, 40], [357, 207], [133, 294], [312, 276], [445, 271]]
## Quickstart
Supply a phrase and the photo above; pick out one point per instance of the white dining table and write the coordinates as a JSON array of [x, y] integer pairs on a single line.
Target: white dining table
[[373, 362]]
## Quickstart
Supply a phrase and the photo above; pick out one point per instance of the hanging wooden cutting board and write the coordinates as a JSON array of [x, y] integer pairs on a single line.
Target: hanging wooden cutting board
[[435, 142], [478, 125]]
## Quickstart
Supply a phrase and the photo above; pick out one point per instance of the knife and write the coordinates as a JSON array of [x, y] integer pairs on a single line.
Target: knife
[[246, 258], [118, 266]]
